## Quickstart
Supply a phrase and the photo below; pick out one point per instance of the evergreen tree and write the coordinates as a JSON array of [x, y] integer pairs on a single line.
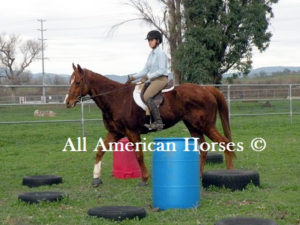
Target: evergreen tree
[[220, 35]]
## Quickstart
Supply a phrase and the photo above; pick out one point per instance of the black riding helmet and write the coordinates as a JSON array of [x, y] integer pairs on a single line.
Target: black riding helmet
[[154, 34]]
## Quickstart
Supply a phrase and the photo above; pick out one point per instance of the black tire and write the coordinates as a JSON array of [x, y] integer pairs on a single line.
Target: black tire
[[36, 197], [36, 181], [212, 157], [118, 213], [232, 179], [245, 221]]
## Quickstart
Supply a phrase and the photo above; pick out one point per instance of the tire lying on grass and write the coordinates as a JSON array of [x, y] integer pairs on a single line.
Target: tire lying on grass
[[232, 179], [245, 221], [36, 197], [36, 181], [118, 213], [212, 157]]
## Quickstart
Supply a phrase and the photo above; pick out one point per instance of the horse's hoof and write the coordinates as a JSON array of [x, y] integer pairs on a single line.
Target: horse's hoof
[[156, 210], [96, 182], [142, 184]]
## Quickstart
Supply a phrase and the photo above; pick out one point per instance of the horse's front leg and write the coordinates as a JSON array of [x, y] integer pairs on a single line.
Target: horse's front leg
[[134, 138], [97, 167]]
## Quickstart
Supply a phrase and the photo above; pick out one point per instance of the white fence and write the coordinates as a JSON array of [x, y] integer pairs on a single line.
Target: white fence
[[243, 100], [287, 94]]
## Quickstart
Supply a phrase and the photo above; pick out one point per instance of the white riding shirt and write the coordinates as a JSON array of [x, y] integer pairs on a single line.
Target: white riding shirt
[[156, 65]]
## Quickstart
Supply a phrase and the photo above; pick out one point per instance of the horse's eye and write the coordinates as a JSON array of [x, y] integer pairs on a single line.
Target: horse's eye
[[77, 83]]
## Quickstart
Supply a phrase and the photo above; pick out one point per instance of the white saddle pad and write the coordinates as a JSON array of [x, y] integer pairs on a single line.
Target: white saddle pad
[[137, 95]]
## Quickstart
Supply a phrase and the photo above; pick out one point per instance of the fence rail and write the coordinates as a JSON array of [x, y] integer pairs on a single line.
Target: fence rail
[[242, 100]]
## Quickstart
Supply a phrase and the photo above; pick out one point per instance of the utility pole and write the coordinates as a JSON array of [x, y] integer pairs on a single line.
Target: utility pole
[[43, 59]]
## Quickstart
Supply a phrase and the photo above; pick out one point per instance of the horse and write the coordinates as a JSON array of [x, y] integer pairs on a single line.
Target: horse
[[195, 105]]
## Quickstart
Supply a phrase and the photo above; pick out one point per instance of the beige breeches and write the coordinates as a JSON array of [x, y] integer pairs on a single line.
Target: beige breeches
[[155, 86]]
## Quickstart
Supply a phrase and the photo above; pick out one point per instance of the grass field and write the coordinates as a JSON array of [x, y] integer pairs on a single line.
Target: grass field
[[31, 149]]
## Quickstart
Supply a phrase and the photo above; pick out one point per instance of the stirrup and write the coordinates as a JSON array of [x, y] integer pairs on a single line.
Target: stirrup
[[148, 124], [155, 126]]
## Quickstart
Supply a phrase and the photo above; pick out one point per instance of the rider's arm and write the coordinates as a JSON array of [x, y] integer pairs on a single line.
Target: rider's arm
[[142, 73]]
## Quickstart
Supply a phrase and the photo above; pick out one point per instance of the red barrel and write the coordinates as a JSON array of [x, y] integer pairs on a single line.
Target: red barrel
[[125, 164]]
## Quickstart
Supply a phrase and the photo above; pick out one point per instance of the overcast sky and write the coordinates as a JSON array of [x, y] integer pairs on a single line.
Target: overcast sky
[[77, 31]]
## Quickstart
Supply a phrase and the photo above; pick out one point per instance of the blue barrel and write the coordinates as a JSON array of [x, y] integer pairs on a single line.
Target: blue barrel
[[175, 174]]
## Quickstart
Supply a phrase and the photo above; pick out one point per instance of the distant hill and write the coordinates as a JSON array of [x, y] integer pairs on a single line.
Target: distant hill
[[267, 71], [49, 77], [273, 69]]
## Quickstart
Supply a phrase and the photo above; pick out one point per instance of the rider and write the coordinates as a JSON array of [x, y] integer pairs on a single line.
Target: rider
[[155, 70]]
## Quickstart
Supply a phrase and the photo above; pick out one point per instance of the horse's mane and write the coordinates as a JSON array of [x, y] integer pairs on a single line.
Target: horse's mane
[[101, 77]]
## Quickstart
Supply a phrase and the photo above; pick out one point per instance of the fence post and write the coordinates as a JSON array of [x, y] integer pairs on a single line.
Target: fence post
[[228, 100], [82, 117], [291, 103]]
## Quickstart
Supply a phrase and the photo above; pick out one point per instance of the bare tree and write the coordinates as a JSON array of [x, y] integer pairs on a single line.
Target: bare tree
[[168, 22], [10, 47]]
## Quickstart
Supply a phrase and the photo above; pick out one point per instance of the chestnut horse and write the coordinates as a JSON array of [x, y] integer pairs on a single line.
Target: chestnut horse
[[195, 105]]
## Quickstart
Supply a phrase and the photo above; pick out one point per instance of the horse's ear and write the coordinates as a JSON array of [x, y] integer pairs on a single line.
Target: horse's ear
[[80, 69], [74, 67]]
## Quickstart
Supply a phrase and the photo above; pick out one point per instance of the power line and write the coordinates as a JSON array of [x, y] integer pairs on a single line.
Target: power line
[[43, 59]]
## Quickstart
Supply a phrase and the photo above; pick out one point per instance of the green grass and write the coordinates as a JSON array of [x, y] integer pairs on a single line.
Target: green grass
[[37, 149]]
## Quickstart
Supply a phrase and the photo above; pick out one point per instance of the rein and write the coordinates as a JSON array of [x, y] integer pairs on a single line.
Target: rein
[[82, 99], [86, 98]]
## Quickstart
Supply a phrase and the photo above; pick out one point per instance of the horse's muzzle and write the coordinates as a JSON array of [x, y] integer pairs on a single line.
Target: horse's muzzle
[[71, 104]]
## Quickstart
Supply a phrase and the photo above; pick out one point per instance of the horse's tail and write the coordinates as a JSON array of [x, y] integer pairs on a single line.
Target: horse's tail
[[223, 111]]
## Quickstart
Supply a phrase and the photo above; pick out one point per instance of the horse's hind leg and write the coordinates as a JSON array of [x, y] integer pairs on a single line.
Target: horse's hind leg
[[202, 153], [198, 134], [97, 167], [215, 136]]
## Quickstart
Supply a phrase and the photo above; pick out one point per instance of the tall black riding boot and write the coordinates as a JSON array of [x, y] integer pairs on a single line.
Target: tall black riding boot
[[157, 124]]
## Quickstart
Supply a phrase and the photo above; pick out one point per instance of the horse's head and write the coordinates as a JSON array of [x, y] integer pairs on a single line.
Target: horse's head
[[78, 87]]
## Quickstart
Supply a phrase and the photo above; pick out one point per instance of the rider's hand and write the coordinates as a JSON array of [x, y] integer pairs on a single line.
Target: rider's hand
[[143, 80], [130, 79]]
